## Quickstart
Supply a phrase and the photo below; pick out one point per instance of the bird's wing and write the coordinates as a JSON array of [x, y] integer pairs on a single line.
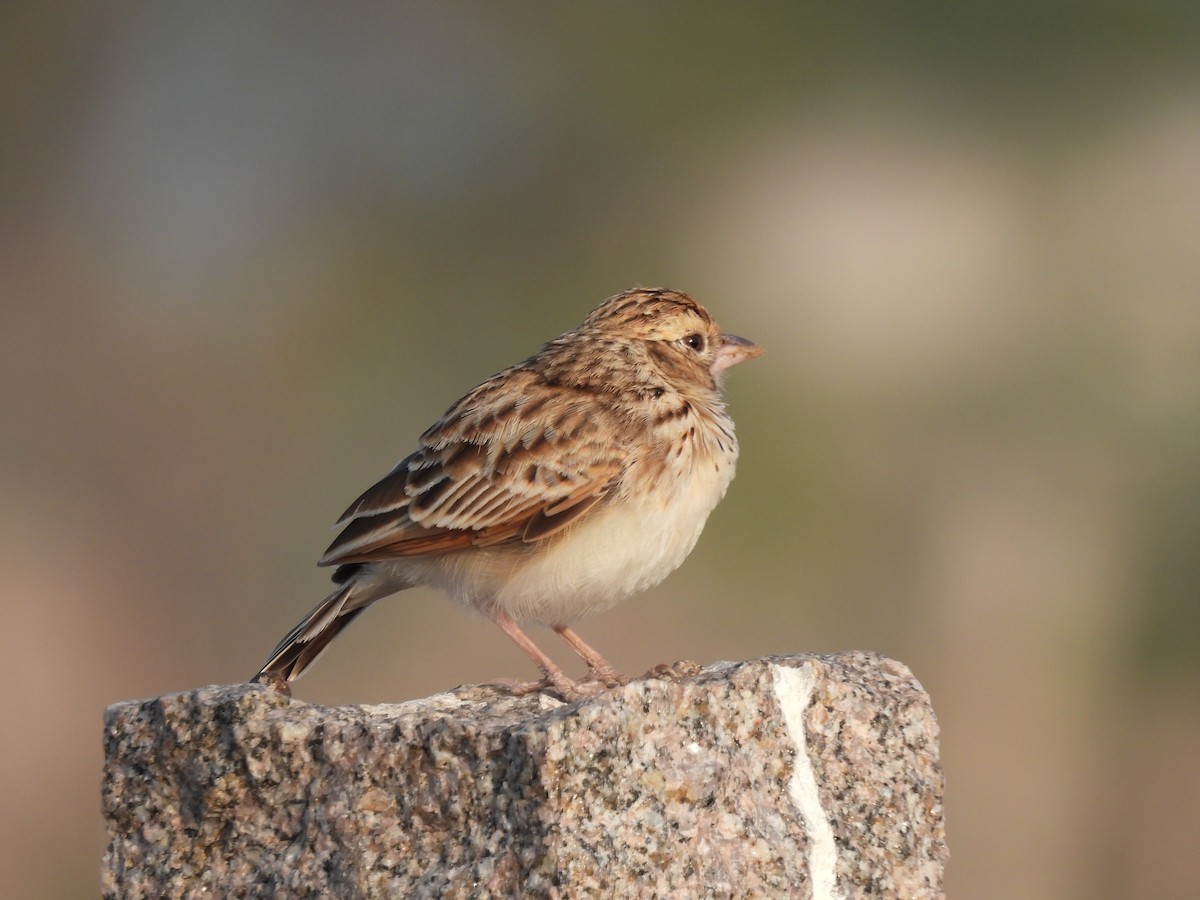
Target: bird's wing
[[502, 465]]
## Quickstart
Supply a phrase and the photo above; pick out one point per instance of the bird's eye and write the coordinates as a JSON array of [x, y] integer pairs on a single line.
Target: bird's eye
[[695, 341]]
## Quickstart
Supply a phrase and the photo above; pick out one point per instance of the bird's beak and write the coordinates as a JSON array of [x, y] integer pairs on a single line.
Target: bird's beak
[[734, 350]]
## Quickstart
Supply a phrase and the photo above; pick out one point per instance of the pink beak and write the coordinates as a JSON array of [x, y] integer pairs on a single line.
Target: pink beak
[[734, 350]]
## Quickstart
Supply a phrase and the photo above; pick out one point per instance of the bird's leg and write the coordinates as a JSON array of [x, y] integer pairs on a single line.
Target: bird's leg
[[599, 668], [553, 678]]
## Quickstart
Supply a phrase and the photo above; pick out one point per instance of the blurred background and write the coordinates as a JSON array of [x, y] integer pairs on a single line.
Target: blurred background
[[247, 253]]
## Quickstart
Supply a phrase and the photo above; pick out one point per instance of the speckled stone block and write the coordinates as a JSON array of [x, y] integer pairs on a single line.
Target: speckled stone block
[[801, 776]]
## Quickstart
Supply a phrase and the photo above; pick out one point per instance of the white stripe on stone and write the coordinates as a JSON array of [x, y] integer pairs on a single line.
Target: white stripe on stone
[[793, 689]]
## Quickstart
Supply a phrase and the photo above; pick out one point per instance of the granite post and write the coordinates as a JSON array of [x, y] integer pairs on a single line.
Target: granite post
[[802, 776]]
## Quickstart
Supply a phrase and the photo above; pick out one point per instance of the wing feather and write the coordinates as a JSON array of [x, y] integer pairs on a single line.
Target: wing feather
[[482, 480]]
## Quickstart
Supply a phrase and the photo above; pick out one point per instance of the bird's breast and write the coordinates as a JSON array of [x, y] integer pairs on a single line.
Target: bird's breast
[[625, 547]]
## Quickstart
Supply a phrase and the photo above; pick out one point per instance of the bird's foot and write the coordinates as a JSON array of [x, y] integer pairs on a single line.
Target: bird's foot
[[605, 675], [554, 684], [674, 672]]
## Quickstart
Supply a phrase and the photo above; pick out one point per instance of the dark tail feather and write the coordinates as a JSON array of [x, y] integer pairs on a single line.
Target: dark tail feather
[[303, 644]]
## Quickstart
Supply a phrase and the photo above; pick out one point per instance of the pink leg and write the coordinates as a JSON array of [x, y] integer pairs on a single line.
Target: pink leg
[[599, 668], [552, 675]]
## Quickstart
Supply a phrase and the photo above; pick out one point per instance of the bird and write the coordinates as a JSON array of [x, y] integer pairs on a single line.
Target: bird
[[550, 492]]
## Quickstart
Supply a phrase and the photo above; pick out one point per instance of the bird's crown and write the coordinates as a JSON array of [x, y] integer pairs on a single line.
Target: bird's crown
[[649, 313]]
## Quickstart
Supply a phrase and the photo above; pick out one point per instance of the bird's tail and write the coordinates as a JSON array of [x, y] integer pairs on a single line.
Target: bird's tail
[[302, 645]]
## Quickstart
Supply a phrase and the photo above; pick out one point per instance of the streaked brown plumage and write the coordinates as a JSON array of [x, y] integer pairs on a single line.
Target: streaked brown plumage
[[551, 491]]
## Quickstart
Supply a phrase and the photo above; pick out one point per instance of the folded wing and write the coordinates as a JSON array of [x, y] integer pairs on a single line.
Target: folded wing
[[531, 466]]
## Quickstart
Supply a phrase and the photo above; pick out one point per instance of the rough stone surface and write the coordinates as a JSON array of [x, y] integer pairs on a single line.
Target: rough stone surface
[[802, 776]]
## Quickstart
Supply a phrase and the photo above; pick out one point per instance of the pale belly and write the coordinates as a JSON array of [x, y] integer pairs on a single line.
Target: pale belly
[[618, 552]]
